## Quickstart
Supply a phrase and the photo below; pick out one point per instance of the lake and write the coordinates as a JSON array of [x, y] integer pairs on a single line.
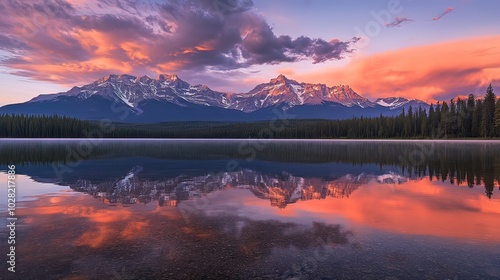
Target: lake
[[252, 209]]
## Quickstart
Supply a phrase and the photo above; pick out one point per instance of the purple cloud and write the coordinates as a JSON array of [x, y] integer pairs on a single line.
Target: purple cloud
[[397, 22], [447, 11], [61, 38]]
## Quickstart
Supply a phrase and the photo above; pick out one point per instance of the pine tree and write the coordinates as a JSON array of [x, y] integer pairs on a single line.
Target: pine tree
[[451, 124], [477, 119], [431, 129], [424, 125], [462, 118], [497, 118], [471, 103], [487, 126], [437, 120], [444, 122], [408, 123]]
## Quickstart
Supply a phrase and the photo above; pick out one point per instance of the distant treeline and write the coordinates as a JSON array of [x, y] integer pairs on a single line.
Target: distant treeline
[[460, 118], [31, 126]]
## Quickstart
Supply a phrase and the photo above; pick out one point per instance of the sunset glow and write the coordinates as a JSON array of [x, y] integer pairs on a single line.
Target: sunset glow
[[400, 210], [380, 48]]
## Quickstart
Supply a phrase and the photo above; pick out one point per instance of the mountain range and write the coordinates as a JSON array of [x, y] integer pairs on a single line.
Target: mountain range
[[127, 98]]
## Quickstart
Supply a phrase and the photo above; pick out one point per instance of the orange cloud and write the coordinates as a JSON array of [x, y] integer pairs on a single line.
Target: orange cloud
[[438, 71], [72, 42]]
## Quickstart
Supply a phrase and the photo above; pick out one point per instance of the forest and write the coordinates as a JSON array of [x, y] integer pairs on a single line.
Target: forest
[[457, 119]]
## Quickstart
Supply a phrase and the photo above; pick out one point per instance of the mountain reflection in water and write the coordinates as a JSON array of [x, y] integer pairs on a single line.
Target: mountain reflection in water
[[304, 210], [280, 190]]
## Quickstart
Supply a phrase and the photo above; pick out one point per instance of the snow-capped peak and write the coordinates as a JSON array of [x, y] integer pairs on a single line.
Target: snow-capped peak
[[168, 78], [280, 80], [279, 91], [398, 102], [145, 79]]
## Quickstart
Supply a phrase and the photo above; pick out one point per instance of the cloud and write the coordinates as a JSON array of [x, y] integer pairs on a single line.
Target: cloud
[[400, 20], [72, 41], [447, 11], [397, 22], [437, 71]]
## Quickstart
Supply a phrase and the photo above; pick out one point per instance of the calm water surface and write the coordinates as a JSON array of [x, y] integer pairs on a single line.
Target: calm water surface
[[199, 209]]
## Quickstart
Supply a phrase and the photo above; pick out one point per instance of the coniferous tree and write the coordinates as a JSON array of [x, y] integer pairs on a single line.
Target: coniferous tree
[[471, 103], [408, 121], [497, 118], [431, 118], [452, 119], [462, 121], [437, 120], [477, 119], [444, 121], [424, 125], [487, 123]]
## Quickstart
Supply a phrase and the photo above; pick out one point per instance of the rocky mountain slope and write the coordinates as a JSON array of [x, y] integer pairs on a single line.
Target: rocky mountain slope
[[168, 98]]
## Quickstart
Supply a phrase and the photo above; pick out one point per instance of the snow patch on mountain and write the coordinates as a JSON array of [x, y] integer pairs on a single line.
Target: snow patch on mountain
[[280, 91], [391, 178], [398, 102]]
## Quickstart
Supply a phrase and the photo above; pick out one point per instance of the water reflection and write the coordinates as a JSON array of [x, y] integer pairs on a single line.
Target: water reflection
[[237, 235], [157, 242], [385, 200], [474, 163], [279, 190], [312, 210]]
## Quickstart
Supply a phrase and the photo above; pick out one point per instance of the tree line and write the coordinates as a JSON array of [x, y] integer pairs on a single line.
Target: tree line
[[458, 118], [33, 126]]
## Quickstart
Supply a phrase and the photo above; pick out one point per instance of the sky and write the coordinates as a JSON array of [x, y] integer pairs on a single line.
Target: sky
[[430, 50]]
